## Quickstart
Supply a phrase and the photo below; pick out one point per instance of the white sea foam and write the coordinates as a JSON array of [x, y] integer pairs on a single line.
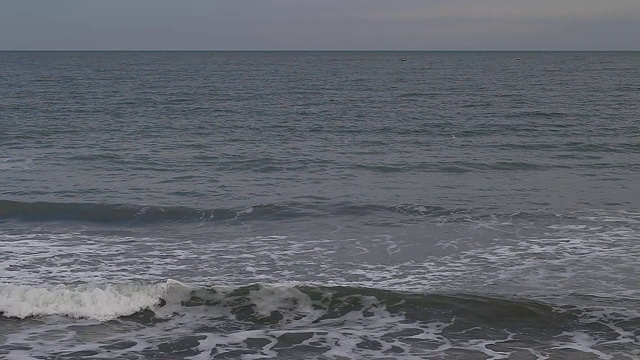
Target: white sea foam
[[488, 255], [368, 330], [273, 298], [303, 325], [99, 302], [585, 253]]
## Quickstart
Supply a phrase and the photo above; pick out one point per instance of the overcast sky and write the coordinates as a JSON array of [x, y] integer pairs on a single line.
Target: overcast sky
[[320, 24]]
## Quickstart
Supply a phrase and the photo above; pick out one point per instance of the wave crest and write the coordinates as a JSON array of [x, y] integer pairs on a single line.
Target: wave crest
[[98, 302]]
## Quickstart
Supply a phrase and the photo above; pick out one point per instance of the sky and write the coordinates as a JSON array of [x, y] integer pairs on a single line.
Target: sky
[[319, 24]]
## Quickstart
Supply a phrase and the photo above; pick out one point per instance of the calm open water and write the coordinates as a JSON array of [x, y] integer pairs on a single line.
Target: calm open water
[[319, 205]]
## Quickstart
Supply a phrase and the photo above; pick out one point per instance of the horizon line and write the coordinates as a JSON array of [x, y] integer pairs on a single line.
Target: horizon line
[[301, 50]]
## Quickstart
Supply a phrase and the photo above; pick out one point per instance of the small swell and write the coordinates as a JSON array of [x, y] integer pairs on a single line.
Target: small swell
[[145, 214], [104, 213]]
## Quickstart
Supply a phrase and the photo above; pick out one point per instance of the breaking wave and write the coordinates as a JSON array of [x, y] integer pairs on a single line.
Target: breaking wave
[[264, 302], [293, 320]]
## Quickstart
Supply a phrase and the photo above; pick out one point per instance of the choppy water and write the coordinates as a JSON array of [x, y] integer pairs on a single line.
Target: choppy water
[[322, 205]]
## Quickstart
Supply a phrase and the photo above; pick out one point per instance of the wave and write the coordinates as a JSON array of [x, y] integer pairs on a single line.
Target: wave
[[311, 321], [142, 214], [275, 304], [131, 214], [262, 303]]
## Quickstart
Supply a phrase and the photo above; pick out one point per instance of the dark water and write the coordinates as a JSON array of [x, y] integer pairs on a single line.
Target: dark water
[[327, 205]]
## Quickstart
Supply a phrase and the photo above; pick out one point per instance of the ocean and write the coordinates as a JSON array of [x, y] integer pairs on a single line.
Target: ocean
[[319, 205]]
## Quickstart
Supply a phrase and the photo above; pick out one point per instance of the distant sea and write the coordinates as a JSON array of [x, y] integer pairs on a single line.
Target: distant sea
[[320, 205]]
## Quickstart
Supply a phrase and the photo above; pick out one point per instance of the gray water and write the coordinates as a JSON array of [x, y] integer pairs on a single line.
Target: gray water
[[320, 205]]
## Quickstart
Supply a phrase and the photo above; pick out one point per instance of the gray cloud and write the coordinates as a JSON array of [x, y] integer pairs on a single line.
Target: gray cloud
[[326, 24]]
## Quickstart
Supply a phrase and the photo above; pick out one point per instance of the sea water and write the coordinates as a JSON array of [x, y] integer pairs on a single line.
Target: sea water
[[319, 205]]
